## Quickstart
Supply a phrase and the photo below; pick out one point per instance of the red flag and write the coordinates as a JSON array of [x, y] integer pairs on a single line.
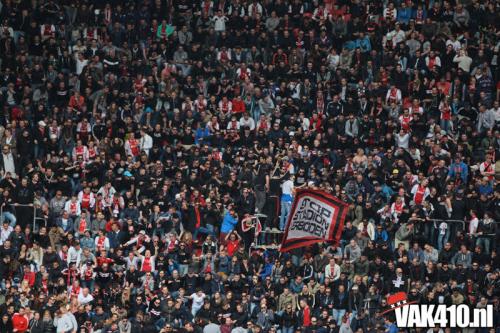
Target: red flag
[[316, 216]]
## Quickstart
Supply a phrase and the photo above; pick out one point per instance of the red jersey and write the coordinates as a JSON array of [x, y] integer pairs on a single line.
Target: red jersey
[[19, 323]]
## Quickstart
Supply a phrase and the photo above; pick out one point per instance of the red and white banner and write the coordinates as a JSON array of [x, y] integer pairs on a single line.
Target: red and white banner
[[316, 216]]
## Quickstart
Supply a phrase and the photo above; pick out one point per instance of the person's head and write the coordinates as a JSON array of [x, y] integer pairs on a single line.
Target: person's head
[[303, 303]]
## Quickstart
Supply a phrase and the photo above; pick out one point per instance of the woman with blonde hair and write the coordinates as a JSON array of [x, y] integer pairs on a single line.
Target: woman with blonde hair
[[125, 298], [47, 322], [25, 287]]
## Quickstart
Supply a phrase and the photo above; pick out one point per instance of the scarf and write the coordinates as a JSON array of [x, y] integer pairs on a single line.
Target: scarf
[[83, 225], [100, 242], [198, 217], [73, 208], [107, 15], [419, 195]]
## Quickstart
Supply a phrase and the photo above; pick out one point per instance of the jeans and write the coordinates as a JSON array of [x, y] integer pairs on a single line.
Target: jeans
[[9, 217], [260, 199], [88, 284], [343, 243], [39, 151], [286, 206], [337, 315], [17, 34], [320, 276], [194, 310], [285, 329], [183, 269], [295, 260], [484, 242], [185, 69], [160, 323], [430, 232], [445, 125], [442, 239], [207, 230]]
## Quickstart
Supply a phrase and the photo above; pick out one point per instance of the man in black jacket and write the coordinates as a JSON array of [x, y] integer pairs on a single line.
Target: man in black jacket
[[447, 253], [24, 198]]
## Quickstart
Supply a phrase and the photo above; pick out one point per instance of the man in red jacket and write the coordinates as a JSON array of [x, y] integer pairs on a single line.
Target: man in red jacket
[[29, 275], [238, 105], [305, 313], [19, 321]]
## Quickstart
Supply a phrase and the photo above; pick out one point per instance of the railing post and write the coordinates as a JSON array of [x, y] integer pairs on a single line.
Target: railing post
[[34, 216]]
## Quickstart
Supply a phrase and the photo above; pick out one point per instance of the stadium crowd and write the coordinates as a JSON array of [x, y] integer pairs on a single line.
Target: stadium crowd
[[151, 150]]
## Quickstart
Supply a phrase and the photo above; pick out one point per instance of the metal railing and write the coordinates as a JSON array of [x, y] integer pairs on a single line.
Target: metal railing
[[35, 217], [462, 222]]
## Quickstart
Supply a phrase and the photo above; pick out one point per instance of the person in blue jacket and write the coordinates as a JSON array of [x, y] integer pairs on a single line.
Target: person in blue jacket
[[363, 42], [404, 14], [267, 269], [458, 170], [228, 223], [200, 134], [381, 235]]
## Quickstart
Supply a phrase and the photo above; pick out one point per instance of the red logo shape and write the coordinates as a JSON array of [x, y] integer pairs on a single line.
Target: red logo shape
[[397, 300]]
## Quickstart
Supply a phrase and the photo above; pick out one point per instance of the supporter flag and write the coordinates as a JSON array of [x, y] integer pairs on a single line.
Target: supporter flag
[[316, 216]]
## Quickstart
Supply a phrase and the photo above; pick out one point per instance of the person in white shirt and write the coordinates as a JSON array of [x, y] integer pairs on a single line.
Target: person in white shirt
[[333, 59], [8, 162], [304, 121], [396, 36], [432, 60], [73, 207], [198, 299], [220, 22], [5, 232], [463, 60], [74, 254], [132, 260], [146, 142], [81, 62], [85, 297], [390, 12], [254, 7], [332, 270], [247, 121], [403, 139], [101, 241], [394, 95], [473, 224], [86, 196], [107, 191], [496, 111], [287, 189], [454, 43]]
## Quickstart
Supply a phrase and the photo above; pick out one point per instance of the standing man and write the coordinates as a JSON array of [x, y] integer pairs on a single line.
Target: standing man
[[65, 321], [261, 186], [287, 190]]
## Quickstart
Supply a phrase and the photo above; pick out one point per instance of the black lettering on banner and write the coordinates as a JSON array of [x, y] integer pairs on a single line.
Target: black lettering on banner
[[312, 218]]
